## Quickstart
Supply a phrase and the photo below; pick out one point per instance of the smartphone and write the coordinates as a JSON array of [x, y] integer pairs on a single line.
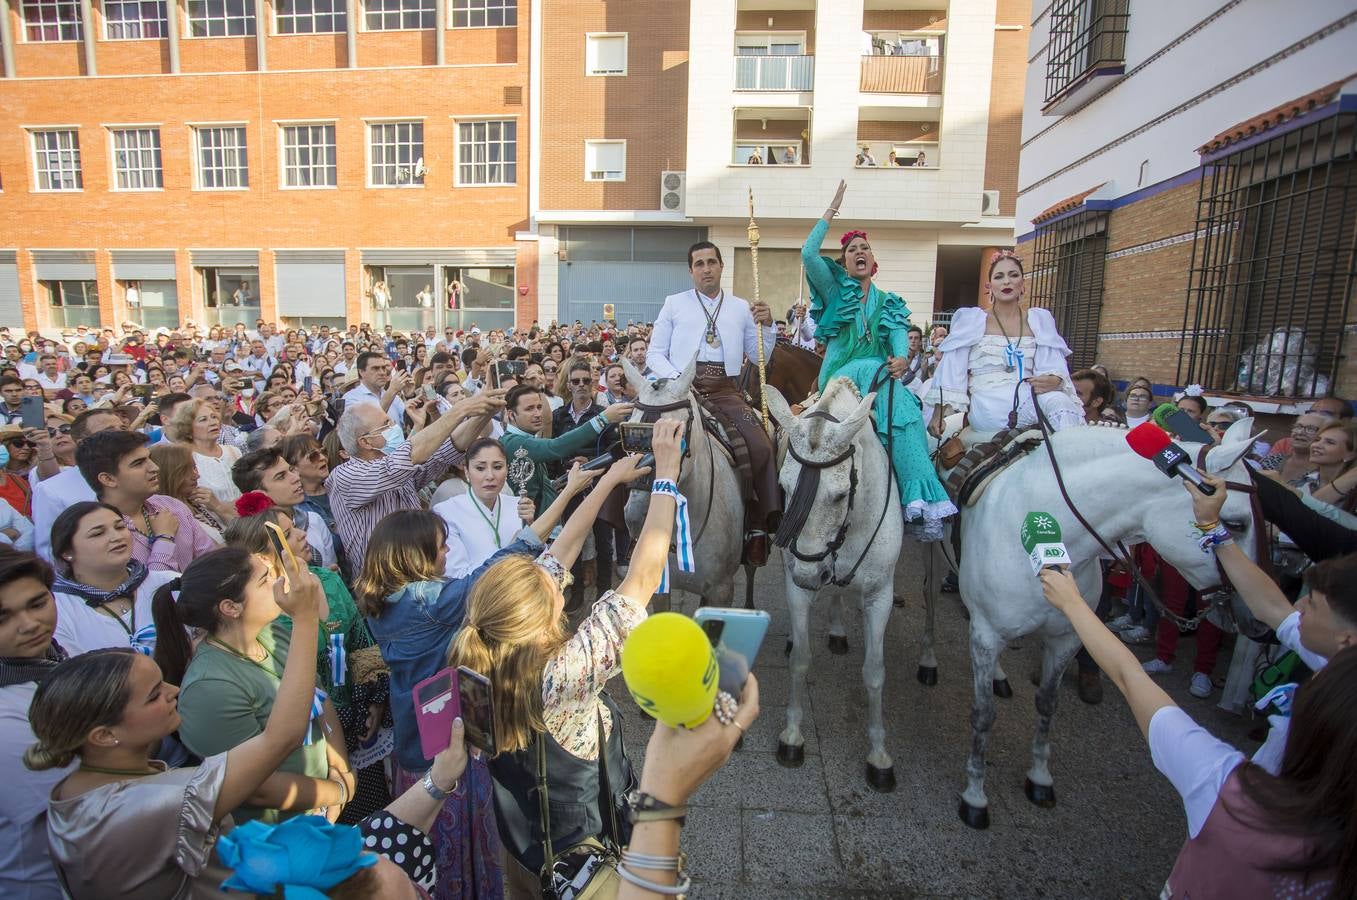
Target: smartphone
[[282, 551], [477, 709], [1181, 424], [739, 630], [509, 368], [637, 436], [32, 413], [430, 393], [437, 703], [306, 384]]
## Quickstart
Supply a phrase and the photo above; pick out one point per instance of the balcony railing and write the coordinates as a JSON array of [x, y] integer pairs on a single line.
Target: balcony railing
[[901, 75], [774, 73]]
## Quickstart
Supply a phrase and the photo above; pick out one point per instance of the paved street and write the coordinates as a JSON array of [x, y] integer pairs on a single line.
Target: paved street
[[762, 831]]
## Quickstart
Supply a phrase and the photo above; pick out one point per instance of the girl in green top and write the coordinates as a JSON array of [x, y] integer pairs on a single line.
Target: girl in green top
[[864, 328]]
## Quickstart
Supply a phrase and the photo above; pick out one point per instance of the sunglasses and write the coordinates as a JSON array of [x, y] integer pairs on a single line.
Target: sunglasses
[[21, 443], [580, 381], [60, 429]]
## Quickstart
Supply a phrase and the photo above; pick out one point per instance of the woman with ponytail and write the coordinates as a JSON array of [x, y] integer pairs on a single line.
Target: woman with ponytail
[[548, 685], [103, 594], [231, 682], [123, 825], [348, 663]]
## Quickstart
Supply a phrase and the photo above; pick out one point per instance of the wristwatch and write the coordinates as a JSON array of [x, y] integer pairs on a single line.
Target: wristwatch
[[646, 808]]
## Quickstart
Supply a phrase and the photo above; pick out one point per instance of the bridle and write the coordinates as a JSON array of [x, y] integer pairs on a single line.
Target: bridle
[[651, 412], [803, 498]]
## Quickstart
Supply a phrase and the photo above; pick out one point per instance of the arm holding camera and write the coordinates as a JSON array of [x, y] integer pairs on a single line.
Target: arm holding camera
[[577, 480], [652, 547]]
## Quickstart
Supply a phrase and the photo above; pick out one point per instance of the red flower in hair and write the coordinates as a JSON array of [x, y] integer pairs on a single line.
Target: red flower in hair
[[252, 503], [849, 235]]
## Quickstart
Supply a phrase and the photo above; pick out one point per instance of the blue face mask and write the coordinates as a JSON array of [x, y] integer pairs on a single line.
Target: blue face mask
[[4, 456], [394, 438]]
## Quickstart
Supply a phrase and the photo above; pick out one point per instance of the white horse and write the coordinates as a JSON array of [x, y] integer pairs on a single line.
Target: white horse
[[837, 470], [708, 481], [1125, 498]]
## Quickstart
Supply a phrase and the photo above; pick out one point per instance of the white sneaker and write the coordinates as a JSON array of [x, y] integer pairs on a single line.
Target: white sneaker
[[1121, 623], [1157, 666], [1137, 635], [1201, 685]]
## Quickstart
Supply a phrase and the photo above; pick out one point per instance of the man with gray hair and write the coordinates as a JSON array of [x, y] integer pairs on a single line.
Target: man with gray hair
[[385, 471]]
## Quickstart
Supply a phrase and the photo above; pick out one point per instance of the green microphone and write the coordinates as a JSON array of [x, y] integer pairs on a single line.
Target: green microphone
[[1040, 537]]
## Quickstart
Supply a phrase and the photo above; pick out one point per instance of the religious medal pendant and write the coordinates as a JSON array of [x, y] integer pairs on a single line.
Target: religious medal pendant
[[713, 339]]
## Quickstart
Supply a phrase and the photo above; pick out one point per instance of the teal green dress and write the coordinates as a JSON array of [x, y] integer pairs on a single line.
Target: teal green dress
[[858, 337]]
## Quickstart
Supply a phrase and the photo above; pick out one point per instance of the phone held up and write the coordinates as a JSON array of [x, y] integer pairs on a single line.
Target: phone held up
[[736, 635], [446, 695], [32, 413], [637, 437]]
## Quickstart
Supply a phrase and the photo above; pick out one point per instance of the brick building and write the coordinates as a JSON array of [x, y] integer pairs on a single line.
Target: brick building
[[1187, 212], [655, 119], [222, 160]]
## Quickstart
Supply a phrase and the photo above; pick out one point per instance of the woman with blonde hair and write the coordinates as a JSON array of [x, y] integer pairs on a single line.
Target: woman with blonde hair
[[1334, 454], [179, 479], [548, 685], [197, 424]]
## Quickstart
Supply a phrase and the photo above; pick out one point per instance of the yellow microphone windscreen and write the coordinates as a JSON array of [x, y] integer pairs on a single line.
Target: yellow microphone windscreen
[[670, 670]]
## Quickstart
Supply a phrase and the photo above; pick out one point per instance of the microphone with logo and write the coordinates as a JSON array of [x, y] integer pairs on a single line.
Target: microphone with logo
[[1153, 443], [1040, 536]]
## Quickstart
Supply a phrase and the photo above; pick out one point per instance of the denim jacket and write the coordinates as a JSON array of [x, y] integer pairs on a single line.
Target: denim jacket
[[414, 632]]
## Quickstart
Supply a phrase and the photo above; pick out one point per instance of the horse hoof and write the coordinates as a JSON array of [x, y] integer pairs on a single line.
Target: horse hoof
[[838, 644], [1002, 689], [882, 780], [928, 675], [976, 817], [1042, 795], [790, 756], [788, 650]]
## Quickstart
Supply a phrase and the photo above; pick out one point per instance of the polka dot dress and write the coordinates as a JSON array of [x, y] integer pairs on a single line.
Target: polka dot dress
[[403, 844]]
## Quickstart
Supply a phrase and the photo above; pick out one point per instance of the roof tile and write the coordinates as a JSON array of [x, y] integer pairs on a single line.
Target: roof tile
[[1276, 116], [1064, 206]]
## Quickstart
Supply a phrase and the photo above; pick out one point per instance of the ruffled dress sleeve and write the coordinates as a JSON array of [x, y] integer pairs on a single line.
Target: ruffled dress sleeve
[[1052, 351], [951, 381], [892, 324], [824, 276]]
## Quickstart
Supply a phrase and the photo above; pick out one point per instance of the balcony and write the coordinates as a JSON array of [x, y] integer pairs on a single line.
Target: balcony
[[771, 137], [888, 140], [774, 73], [901, 75]]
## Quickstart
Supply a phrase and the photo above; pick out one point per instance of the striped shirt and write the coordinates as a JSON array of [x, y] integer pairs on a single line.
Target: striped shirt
[[365, 491], [166, 555]]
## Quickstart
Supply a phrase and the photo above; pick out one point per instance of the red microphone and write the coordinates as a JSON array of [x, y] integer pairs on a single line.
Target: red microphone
[[1152, 442]]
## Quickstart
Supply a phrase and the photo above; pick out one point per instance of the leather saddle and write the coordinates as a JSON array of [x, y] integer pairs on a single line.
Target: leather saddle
[[986, 455]]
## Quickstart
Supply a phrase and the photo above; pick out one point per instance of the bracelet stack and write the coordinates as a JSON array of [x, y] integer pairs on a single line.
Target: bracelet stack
[[1213, 534], [655, 864]]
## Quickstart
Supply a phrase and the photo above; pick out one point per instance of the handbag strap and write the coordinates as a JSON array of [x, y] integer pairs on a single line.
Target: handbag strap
[[605, 789], [544, 804]]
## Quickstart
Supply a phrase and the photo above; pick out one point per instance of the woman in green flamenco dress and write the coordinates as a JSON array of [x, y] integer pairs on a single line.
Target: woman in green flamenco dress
[[863, 329]]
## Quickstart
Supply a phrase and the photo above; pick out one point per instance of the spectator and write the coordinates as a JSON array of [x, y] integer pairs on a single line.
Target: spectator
[[52, 495], [1194, 405], [526, 415], [865, 157], [1220, 419], [28, 653], [118, 466], [111, 707], [268, 471], [11, 400], [377, 385], [15, 488], [1294, 468], [1097, 396], [921, 160], [636, 353], [385, 471], [1139, 404], [1334, 454], [179, 479], [197, 424], [1175, 593], [1326, 406]]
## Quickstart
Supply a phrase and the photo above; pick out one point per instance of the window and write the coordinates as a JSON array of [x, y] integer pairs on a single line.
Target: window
[[487, 152], [1067, 279], [605, 54], [52, 20], [73, 303], [220, 18], [134, 19], [396, 154], [394, 15], [56, 160], [309, 156], [1272, 271], [484, 13], [605, 160], [1085, 36], [136, 159], [312, 16], [222, 160], [775, 61]]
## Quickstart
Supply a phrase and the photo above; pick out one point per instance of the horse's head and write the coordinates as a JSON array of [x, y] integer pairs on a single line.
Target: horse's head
[[1169, 523], [666, 398], [821, 477]]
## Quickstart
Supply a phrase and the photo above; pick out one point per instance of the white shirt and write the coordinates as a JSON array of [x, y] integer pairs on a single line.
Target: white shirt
[[214, 473], [26, 871], [1269, 756], [52, 384], [360, 393], [50, 498], [681, 328], [1194, 761], [81, 628], [12, 518], [803, 332], [260, 364], [471, 538]]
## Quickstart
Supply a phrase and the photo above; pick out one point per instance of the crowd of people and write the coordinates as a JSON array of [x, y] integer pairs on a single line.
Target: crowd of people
[[235, 553]]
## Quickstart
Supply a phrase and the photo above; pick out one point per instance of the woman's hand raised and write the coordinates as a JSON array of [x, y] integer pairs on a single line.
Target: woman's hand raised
[[666, 442], [837, 203]]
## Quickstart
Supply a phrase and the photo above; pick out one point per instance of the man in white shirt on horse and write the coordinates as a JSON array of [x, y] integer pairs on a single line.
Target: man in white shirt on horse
[[720, 329]]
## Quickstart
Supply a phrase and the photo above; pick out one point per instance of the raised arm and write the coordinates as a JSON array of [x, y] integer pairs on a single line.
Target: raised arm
[[577, 480], [652, 547], [425, 442], [1259, 592], [581, 522], [817, 271]]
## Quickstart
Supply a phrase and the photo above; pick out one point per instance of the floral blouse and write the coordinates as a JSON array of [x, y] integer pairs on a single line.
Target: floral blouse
[[574, 678]]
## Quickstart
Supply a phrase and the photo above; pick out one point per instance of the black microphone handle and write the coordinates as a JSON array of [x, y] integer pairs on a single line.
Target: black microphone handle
[[1190, 474], [598, 462]]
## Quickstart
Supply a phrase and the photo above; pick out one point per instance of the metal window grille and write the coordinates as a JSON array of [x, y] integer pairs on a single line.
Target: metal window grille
[[56, 160], [394, 15], [223, 162], [484, 13], [312, 16], [395, 149], [136, 159], [309, 156], [1067, 278], [134, 19], [52, 20], [487, 152], [1084, 35], [1273, 264], [221, 18]]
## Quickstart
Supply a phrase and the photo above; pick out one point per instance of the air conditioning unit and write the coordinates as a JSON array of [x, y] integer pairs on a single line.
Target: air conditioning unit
[[989, 203], [672, 191]]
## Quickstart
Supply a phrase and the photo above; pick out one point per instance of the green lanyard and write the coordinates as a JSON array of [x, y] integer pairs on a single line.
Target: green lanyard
[[494, 526]]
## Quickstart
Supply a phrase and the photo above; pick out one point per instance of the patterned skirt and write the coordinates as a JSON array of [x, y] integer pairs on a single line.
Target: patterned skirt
[[465, 837]]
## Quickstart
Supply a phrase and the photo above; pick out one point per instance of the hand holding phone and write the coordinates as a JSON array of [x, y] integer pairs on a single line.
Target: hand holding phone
[[437, 704], [32, 413], [477, 709], [737, 635]]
